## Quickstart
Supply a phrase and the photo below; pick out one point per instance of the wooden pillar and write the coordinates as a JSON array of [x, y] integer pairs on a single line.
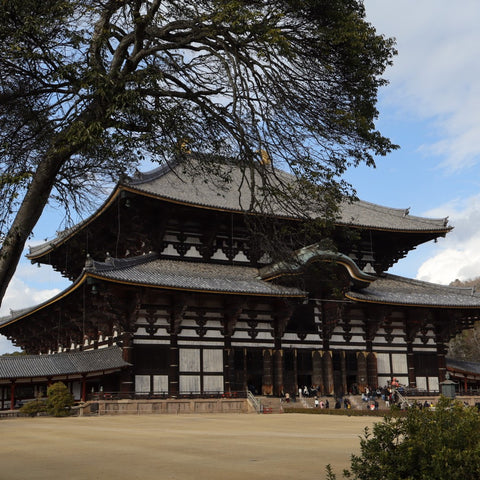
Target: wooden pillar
[[412, 377], [328, 383], [173, 367], [231, 313], [177, 311], [372, 371], [227, 354], [284, 311], [278, 372], [12, 394], [317, 379], [295, 372], [362, 377], [343, 372], [84, 388], [127, 383], [267, 376], [442, 366], [245, 373]]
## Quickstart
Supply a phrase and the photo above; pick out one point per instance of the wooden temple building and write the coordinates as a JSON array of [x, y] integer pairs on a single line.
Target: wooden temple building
[[172, 295]]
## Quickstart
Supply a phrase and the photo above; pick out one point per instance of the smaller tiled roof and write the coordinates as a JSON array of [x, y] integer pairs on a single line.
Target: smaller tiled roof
[[60, 364], [149, 270], [396, 290], [463, 366]]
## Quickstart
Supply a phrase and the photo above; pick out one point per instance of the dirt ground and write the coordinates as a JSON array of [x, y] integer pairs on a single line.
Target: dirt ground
[[213, 447]]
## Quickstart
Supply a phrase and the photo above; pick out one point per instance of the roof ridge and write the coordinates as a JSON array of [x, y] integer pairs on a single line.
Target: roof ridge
[[414, 281], [113, 263]]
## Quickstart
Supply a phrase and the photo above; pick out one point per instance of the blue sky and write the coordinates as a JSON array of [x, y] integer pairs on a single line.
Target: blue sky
[[431, 108]]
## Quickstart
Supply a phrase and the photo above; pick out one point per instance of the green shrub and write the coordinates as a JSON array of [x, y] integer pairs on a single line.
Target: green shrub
[[427, 444], [34, 407], [59, 401]]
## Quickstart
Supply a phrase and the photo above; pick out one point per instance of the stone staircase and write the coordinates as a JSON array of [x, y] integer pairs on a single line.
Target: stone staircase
[[275, 405]]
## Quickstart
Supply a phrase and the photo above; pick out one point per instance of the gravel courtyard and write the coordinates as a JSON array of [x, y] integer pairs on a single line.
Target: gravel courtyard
[[213, 447]]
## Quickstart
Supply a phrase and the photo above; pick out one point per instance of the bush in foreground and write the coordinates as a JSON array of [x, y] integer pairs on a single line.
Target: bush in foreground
[[34, 407], [59, 401], [424, 444]]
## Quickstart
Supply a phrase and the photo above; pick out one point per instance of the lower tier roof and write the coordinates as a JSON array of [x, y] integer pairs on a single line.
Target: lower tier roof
[[60, 364], [395, 290]]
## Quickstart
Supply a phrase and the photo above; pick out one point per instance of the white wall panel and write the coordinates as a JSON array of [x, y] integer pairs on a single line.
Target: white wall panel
[[383, 381], [213, 383], [142, 383], [160, 383], [189, 359], [189, 383], [383, 364], [433, 384], [212, 360], [399, 363], [421, 383]]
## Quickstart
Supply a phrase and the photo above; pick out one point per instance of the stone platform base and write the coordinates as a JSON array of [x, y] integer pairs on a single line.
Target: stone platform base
[[175, 406]]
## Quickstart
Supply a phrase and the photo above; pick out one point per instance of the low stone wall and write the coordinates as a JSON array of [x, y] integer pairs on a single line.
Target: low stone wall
[[169, 406]]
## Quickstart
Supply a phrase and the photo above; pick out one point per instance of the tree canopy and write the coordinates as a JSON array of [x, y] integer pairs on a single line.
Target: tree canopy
[[89, 88], [443, 443]]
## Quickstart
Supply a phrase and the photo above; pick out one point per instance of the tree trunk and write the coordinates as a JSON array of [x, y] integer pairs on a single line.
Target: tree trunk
[[30, 210]]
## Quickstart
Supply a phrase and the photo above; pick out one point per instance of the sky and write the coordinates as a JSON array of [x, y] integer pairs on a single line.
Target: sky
[[431, 108]]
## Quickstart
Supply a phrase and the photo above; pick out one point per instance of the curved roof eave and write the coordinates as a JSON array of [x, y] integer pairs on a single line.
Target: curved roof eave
[[16, 315], [41, 250], [311, 254]]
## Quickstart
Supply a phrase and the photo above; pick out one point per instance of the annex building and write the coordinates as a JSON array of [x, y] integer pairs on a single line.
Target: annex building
[[172, 294]]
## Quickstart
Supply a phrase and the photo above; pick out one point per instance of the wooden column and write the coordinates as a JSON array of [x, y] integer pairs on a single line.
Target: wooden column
[[245, 386], [284, 311], [412, 378], [127, 383], [227, 350], [278, 372], [177, 311], [343, 372], [231, 314], [317, 379], [442, 365], [295, 371], [328, 383], [84, 388], [12, 394], [267, 377], [372, 370], [362, 377]]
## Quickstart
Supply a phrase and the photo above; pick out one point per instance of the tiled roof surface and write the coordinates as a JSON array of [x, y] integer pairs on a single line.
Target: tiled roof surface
[[236, 195], [69, 363], [205, 277], [395, 290], [463, 366], [214, 192]]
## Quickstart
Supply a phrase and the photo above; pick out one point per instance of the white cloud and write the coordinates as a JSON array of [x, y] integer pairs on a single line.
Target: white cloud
[[21, 294], [435, 75], [459, 254]]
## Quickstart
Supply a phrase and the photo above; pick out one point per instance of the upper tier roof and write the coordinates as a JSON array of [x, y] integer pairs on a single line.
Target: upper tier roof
[[211, 191], [173, 184]]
